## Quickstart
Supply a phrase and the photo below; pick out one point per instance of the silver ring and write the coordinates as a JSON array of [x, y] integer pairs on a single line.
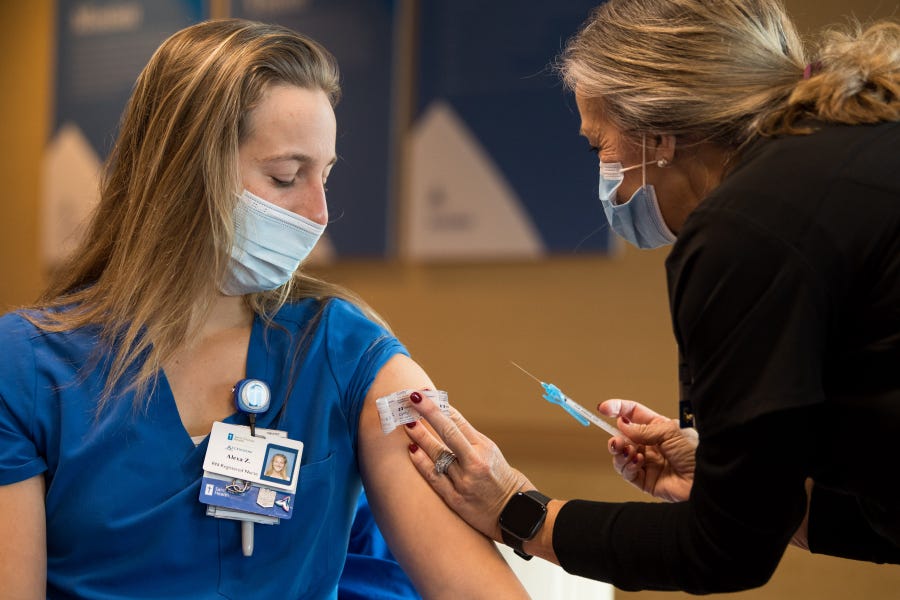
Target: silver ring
[[443, 462]]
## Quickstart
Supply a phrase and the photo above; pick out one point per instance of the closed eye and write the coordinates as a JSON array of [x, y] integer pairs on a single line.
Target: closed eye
[[282, 183]]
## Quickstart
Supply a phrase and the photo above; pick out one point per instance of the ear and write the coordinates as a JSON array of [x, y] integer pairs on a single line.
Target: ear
[[665, 150]]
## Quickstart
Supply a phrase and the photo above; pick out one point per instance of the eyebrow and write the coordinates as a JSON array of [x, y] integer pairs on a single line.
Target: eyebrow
[[301, 158]]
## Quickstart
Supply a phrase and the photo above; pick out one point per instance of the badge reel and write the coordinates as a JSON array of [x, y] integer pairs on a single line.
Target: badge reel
[[252, 396]]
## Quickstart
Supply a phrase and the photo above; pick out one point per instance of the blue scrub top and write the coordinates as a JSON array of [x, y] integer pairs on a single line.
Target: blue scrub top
[[123, 515], [371, 572]]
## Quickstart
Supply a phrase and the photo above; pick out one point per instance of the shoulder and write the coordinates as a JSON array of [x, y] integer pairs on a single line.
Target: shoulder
[[20, 330], [16, 334], [816, 198], [340, 310], [15, 325], [19, 337], [340, 325], [806, 170], [312, 312], [347, 325]]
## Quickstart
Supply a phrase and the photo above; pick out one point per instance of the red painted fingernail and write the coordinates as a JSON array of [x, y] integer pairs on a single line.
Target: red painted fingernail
[[635, 459], [613, 445], [411, 424], [626, 420], [413, 448], [415, 397], [625, 452]]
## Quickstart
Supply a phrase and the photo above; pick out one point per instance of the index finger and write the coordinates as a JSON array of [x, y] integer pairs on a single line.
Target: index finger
[[454, 430]]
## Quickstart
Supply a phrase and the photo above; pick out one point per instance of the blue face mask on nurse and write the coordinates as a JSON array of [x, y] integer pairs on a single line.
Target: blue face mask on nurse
[[638, 219]]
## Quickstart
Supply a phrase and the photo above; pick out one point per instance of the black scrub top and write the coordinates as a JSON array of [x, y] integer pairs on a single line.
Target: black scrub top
[[784, 288]]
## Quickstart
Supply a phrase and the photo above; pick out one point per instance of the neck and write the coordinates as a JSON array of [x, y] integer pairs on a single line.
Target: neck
[[225, 312], [704, 166]]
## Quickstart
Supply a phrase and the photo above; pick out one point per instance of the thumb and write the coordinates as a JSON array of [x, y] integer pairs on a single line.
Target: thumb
[[634, 411]]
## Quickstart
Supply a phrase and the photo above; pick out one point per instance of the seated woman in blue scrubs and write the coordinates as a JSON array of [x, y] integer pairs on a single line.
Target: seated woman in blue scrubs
[[188, 281]]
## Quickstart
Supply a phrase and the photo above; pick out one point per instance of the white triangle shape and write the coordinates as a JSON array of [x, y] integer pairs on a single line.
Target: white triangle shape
[[70, 189], [461, 206]]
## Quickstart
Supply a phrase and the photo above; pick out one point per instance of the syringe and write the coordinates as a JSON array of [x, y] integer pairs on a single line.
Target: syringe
[[579, 413]]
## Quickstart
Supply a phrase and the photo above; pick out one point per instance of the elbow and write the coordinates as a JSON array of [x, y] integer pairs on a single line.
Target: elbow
[[746, 577], [727, 575]]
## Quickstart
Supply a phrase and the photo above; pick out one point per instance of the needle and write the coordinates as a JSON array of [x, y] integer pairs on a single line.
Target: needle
[[526, 372]]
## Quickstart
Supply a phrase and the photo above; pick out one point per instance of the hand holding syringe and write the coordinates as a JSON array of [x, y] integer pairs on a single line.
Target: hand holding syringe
[[579, 413]]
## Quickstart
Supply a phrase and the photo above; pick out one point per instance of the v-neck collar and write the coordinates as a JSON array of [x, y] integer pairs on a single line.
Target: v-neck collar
[[257, 366]]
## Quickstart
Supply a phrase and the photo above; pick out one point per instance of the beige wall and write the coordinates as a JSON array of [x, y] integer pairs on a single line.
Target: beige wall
[[597, 327], [25, 50]]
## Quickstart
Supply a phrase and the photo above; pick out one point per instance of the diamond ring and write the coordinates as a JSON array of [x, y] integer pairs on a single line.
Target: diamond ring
[[443, 462]]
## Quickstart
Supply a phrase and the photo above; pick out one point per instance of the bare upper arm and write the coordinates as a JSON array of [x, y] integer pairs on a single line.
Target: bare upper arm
[[23, 539], [431, 542]]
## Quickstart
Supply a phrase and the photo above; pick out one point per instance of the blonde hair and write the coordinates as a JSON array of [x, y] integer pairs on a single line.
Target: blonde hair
[[270, 472], [726, 71], [147, 270]]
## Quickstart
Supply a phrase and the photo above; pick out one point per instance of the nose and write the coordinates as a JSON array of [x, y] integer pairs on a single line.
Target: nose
[[317, 207]]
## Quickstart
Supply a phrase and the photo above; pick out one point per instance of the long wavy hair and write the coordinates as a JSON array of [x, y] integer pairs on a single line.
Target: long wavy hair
[[148, 268], [727, 71]]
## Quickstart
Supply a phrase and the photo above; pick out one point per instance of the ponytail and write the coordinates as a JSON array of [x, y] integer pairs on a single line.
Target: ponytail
[[854, 79]]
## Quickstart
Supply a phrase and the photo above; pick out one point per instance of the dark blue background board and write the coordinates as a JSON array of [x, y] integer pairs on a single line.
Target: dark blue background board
[[492, 63], [102, 45]]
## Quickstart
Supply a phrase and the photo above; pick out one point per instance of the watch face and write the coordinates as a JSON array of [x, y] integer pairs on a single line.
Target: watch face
[[523, 516]]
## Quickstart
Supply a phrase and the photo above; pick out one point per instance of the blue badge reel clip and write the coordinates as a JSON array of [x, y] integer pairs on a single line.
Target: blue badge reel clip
[[252, 397]]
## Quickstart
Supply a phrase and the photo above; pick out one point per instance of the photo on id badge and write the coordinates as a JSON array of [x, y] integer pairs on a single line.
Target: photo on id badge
[[278, 466]]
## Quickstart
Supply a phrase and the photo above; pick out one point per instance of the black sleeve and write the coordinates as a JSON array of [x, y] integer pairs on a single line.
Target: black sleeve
[[749, 316], [839, 526], [746, 502]]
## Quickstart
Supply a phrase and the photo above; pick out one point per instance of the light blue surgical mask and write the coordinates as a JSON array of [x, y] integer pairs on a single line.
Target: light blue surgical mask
[[638, 220], [270, 242]]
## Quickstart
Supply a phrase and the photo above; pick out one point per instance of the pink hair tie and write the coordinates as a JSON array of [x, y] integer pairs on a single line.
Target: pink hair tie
[[812, 69]]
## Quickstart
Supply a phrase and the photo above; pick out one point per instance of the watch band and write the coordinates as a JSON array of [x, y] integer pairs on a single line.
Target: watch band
[[515, 542]]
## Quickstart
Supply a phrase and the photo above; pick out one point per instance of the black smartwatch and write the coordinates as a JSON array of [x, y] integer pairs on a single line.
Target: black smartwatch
[[521, 519]]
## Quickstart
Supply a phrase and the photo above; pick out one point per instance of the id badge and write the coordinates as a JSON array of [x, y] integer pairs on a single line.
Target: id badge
[[272, 462], [250, 474]]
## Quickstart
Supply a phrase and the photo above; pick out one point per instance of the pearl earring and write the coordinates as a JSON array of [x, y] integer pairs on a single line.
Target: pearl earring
[[663, 162]]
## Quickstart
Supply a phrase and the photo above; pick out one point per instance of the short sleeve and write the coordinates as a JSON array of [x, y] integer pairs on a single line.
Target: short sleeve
[[20, 458], [357, 350]]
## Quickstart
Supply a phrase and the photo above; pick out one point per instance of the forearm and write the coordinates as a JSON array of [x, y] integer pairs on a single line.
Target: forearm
[[728, 536], [650, 546], [837, 526]]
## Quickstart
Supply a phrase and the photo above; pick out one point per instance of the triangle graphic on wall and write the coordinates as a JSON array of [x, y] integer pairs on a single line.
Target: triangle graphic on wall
[[461, 205]]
